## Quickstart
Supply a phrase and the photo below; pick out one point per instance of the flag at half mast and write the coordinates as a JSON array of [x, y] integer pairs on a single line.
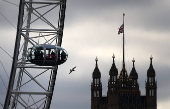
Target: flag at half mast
[[121, 29]]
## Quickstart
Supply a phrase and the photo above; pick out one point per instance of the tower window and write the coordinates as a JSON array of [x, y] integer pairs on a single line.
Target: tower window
[[151, 80], [97, 94], [94, 93], [114, 78], [134, 83], [97, 81], [151, 92], [112, 89]]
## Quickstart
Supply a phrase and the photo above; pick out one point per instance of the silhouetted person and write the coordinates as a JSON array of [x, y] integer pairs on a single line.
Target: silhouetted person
[[52, 55], [40, 55], [63, 55], [36, 55]]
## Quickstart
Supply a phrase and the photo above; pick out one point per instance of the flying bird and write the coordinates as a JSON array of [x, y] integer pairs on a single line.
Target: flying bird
[[73, 69], [1, 105]]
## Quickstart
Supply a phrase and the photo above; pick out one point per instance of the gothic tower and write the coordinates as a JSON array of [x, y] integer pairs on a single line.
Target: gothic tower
[[133, 77], [96, 88], [112, 87], [123, 90], [151, 86]]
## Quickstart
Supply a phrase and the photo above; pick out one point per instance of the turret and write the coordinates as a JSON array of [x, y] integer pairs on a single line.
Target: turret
[[96, 87], [113, 87], [113, 72], [134, 77], [96, 73], [123, 77], [151, 86]]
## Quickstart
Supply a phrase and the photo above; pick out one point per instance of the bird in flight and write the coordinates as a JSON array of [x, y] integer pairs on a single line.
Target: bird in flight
[[73, 69]]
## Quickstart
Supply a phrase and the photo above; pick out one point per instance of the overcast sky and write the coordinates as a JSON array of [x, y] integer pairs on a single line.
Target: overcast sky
[[90, 30]]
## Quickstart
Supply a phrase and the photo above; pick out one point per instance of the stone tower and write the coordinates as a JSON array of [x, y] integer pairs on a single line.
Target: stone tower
[[96, 87], [151, 88], [123, 89]]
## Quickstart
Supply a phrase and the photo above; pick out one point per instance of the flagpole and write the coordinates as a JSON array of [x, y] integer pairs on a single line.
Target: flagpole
[[123, 42]]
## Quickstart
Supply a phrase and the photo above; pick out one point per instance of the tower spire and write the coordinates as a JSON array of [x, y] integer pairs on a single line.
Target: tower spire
[[96, 61], [133, 62], [113, 69], [151, 59], [113, 57], [96, 72]]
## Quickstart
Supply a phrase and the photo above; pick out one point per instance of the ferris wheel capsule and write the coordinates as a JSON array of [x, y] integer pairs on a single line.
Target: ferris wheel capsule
[[47, 55]]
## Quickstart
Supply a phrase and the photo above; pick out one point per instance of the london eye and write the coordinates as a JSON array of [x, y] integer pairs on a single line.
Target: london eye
[[37, 52]]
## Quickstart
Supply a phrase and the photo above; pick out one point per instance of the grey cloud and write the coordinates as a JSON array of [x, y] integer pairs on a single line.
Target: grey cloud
[[73, 91], [148, 15]]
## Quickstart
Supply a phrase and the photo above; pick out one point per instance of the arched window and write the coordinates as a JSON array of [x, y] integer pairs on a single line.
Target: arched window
[[134, 83], [97, 81], [94, 93], [112, 89], [97, 94], [150, 80], [151, 92], [115, 78]]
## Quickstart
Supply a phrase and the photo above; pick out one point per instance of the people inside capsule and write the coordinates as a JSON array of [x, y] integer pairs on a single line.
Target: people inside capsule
[[63, 55], [53, 55], [38, 54], [45, 55]]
